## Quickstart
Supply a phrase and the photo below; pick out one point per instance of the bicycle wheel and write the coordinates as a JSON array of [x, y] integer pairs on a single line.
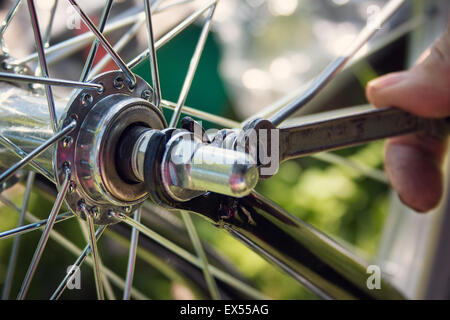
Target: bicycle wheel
[[108, 147]]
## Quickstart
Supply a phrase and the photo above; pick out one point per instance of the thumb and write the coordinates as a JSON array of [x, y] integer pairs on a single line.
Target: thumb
[[424, 89], [413, 162]]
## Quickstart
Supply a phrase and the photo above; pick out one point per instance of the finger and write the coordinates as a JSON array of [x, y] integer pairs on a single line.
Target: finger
[[423, 90], [413, 91], [413, 166], [413, 162]]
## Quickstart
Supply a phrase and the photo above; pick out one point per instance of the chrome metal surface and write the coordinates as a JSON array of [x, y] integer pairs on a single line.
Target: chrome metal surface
[[352, 126], [337, 65], [152, 53], [193, 64], [118, 46], [308, 257], [93, 51], [16, 178], [96, 145], [94, 253], [171, 34], [69, 127], [316, 261], [132, 257], [25, 125], [15, 248], [108, 290], [5, 24], [73, 249], [67, 47], [49, 81], [101, 38], [127, 36], [15, 150], [45, 235], [186, 255], [103, 117], [199, 250], [209, 168], [48, 29], [63, 285], [43, 63], [227, 123], [190, 167], [33, 226], [138, 154]]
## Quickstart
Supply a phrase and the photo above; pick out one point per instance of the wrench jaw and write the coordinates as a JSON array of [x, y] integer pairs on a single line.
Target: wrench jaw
[[178, 165], [330, 131]]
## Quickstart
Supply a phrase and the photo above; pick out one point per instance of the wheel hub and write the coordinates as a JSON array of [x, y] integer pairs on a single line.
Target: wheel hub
[[120, 153], [91, 149]]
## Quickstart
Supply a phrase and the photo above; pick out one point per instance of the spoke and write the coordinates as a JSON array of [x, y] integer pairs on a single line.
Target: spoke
[[94, 252], [9, 203], [272, 258], [22, 154], [271, 109], [36, 152], [172, 33], [333, 69], [49, 28], [221, 121], [32, 226], [125, 39], [219, 274], [49, 81], [121, 43], [152, 54], [5, 24], [132, 257], [9, 17], [359, 167], [16, 243], [390, 38], [71, 45], [211, 283], [70, 247], [43, 63], [100, 37], [90, 59], [192, 67], [109, 292], [63, 285], [83, 256], [43, 241]]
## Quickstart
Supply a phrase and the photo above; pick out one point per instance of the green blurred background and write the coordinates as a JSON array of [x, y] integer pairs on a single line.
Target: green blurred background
[[334, 198]]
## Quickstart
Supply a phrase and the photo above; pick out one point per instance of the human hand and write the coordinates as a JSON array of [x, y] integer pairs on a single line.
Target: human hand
[[413, 162]]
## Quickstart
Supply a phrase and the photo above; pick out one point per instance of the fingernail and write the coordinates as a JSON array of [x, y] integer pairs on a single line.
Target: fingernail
[[387, 80]]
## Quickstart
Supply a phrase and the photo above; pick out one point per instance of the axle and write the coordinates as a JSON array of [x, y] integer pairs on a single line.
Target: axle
[[120, 151]]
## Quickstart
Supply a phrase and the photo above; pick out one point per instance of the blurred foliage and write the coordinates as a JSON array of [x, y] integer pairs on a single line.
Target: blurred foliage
[[335, 199], [207, 92]]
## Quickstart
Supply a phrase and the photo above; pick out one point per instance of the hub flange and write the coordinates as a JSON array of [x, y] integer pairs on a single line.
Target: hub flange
[[91, 149]]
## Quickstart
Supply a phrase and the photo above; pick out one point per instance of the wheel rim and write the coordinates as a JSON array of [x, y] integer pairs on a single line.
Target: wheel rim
[[64, 172]]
